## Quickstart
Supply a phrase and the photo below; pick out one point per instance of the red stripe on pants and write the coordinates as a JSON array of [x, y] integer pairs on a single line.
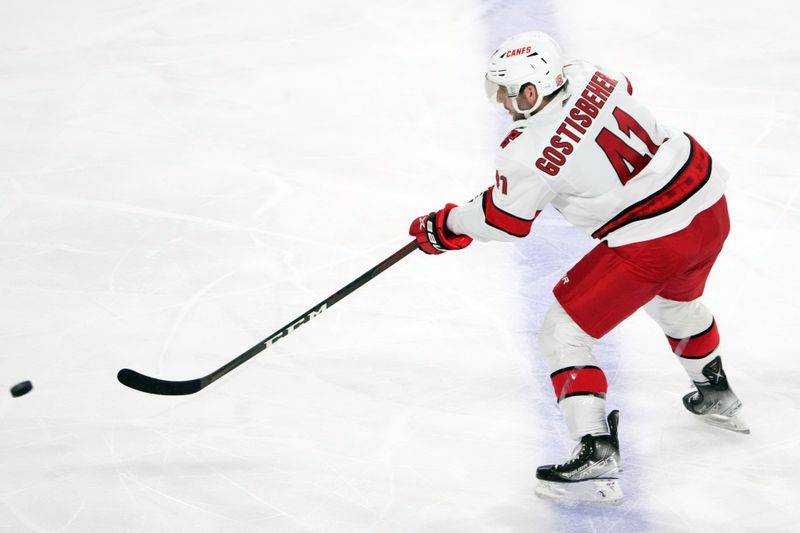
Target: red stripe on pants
[[579, 380], [696, 346]]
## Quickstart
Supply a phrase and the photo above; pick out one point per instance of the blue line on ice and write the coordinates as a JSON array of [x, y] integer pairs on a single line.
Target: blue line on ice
[[543, 258]]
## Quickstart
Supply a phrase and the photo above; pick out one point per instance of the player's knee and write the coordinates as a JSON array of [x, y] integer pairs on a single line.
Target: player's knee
[[679, 319], [562, 341]]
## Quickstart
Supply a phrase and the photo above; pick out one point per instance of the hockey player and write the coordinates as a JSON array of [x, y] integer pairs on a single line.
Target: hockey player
[[653, 198]]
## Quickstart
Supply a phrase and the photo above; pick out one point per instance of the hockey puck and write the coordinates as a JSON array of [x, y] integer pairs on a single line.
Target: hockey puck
[[21, 388]]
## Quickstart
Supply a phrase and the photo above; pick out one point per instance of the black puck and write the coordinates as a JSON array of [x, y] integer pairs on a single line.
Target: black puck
[[21, 388]]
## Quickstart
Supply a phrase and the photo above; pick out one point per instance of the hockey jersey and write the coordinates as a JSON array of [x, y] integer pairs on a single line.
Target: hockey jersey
[[602, 160]]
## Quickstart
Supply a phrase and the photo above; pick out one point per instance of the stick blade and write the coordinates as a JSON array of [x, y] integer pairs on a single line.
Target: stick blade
[[135, 380]]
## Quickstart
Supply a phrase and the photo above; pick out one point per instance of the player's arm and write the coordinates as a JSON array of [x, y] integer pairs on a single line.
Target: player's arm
[[504, 212], [507, 209]]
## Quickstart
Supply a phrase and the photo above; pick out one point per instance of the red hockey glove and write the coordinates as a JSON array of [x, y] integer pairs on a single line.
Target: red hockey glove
[[432, 234]]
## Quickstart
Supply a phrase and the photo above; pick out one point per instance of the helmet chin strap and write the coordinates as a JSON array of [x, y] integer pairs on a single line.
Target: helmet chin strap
[[528, 112]]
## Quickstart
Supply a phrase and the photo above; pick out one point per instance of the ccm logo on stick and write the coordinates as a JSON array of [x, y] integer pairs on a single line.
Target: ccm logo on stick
[[294, 325]]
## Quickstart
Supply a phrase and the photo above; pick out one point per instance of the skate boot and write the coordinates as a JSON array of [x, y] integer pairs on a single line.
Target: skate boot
[[590, 475], [714, 402]]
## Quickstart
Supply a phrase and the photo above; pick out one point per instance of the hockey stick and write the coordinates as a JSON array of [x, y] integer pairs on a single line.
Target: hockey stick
[[135, 380]]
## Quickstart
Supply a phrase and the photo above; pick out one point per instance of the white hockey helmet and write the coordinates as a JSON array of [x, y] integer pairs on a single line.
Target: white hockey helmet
[[531, 57]]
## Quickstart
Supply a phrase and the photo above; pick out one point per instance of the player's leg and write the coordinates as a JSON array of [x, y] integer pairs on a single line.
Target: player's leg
[[691, 331], [598, 293], [580, 387], [694, 338], [690, 327]]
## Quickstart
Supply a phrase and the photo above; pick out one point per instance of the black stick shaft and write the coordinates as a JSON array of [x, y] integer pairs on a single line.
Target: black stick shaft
[[145, 383], [314, 311]]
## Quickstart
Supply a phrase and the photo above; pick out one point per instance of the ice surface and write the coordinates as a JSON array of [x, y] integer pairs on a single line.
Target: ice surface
[[179, 178]]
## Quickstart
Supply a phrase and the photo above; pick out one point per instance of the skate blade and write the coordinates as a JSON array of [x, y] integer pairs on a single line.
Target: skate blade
[[731, 423], [606, 491]]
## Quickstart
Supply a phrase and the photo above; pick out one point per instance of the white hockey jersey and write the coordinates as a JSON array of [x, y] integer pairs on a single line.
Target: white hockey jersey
[[602, 160]]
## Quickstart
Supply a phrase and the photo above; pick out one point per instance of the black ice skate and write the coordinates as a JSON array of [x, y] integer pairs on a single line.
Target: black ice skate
[[590, 475], [714, 402]]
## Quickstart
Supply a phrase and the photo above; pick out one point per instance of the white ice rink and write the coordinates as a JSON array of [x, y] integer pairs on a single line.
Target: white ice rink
[[180, 178]]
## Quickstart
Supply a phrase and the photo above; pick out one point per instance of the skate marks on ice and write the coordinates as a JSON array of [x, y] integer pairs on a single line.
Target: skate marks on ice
[[595, 492]]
